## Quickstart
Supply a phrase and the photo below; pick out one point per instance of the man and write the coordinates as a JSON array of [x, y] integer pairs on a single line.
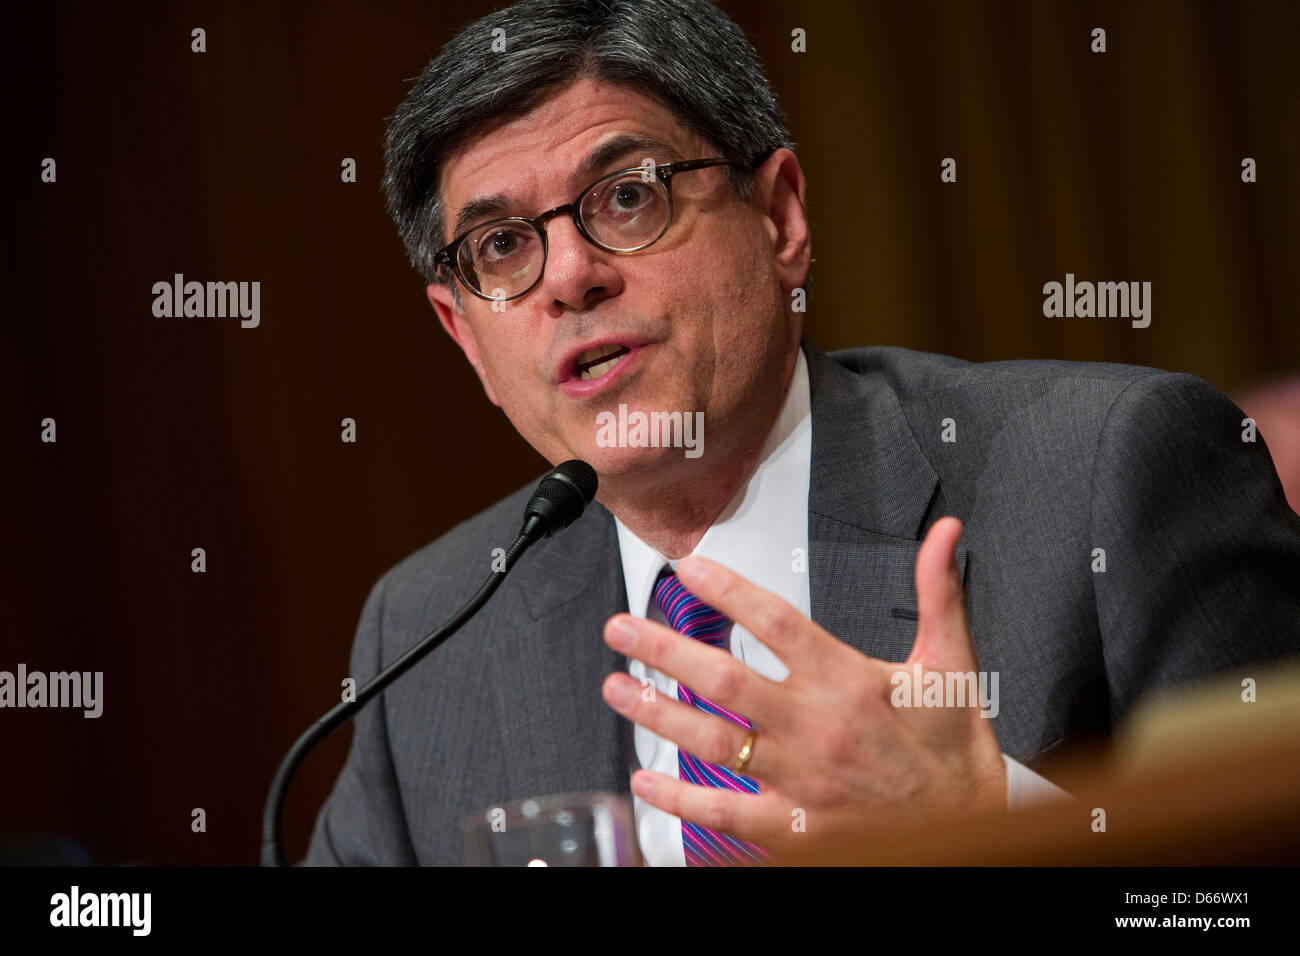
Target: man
[[1274, 407], [1117, 536]]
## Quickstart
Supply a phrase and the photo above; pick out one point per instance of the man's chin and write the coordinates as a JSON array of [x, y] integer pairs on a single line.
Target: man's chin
[[623, 464]]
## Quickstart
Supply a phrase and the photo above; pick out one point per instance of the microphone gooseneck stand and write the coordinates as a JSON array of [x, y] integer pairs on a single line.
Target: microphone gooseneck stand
[[560, 499]]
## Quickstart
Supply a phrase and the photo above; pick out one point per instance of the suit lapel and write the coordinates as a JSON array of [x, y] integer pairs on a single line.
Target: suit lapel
[[869, 491], [870, 488], [557, 732]]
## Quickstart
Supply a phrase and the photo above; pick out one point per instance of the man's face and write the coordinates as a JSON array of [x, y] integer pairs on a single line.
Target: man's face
[[701, 313]]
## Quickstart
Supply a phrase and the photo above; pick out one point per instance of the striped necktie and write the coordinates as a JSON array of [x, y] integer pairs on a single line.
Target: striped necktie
[[691, 616]]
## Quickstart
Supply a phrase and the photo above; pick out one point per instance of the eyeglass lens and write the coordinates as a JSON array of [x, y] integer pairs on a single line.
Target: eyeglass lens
[[622, 214]]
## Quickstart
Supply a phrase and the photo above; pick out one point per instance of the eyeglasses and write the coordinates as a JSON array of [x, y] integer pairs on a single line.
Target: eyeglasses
[[623, 212]]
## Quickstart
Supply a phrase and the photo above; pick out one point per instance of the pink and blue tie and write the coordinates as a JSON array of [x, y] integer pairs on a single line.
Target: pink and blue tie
[[691, 616]]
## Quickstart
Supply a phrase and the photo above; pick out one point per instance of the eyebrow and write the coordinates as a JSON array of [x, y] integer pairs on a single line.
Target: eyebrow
[[500, 204]]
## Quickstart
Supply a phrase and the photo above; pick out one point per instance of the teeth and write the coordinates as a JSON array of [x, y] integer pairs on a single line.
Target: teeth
[[596, 371], [600, 351], [610, 353]]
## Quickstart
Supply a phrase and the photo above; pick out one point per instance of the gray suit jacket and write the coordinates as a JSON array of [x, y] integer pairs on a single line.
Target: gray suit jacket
[[1051, 461]]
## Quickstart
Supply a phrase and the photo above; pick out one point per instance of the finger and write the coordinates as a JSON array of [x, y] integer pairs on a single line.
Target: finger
[[757, 818], [708, 671], [799, 642], [707, 737], [942, 635]]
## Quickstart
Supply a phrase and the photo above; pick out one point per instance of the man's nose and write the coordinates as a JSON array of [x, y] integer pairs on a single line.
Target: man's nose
[[578, 275]]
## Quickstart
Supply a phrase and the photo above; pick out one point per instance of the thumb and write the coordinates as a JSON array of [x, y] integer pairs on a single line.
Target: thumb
[[942, 635]]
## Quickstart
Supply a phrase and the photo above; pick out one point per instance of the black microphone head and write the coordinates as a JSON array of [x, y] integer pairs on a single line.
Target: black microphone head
[[562, 496]]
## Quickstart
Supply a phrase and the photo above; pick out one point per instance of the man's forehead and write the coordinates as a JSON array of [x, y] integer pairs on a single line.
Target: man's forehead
[[569, 139]]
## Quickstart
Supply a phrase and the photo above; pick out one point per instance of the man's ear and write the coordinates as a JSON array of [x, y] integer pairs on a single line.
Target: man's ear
[[453, 319], [779, 195]]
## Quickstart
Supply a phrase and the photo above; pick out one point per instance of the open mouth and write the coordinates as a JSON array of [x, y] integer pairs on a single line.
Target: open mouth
[[594, 363]]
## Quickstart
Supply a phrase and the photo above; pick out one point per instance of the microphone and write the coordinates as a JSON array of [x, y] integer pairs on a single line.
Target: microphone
[[560, 499]]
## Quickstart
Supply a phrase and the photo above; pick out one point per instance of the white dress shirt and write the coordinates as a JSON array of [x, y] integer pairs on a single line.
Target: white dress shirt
[[756, 536]]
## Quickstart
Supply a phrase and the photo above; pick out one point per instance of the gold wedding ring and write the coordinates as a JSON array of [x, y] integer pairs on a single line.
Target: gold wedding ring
[[747, 751]]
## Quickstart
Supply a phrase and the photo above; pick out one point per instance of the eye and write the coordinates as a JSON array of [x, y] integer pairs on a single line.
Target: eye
[[627, 196], [500, 244], [503, 243]]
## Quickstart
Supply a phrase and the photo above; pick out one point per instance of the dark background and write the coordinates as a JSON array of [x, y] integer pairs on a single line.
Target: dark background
[[182, 433]]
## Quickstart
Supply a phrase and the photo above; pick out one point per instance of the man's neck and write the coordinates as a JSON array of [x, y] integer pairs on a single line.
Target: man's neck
[[673, 516], [671, 508]]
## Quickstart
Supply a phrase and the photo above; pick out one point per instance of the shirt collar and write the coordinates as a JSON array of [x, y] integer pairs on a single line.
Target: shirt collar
[[750, 535]]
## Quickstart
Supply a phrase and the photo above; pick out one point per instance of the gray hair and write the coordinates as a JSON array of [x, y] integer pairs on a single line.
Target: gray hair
[[686, 53]]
